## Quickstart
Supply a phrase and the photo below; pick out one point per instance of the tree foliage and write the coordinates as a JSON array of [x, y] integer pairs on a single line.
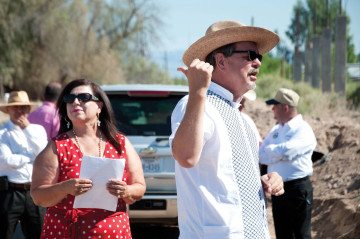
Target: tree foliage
[[140, 70], [46, 40], [312, 17], [298, 29], [275, 65]]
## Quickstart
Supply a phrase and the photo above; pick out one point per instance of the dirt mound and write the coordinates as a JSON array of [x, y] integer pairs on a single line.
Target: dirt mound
[[336, 178], [335, 218]]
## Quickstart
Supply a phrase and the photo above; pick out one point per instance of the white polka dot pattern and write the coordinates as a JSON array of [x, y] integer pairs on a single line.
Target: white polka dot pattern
[[62, 221]]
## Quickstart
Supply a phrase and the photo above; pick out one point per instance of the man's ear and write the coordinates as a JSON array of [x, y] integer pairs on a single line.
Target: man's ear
[[286, 108], [220, 61]]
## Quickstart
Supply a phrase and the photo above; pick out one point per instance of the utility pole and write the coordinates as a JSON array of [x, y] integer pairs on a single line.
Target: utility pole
[[326, 54], [297, 53], [340, 53], [166, 62], [1, 89], [308, 60], [315, 73]]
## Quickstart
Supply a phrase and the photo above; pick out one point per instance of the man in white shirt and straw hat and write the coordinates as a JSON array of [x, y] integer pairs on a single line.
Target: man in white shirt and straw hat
[[220, 192], [20, 143]]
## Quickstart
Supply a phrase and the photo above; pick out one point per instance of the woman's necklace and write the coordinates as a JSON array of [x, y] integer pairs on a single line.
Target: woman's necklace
[[77, 142]]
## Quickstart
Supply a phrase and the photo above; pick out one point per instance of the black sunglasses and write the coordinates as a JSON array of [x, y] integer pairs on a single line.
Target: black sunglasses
[[83, 97], [252, 55]]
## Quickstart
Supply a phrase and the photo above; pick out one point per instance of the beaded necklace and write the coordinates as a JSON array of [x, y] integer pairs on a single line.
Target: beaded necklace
[[77, 142]]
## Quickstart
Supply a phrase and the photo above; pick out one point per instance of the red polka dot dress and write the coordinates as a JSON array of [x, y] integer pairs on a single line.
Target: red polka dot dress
[[63, 221]]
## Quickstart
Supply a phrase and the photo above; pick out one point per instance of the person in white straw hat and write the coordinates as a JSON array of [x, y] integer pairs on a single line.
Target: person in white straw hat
[[287, 150], [220, 192], [17, 98], [20, 143]]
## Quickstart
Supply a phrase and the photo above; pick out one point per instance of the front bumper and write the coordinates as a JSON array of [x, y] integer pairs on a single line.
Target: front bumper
[[157, 209]]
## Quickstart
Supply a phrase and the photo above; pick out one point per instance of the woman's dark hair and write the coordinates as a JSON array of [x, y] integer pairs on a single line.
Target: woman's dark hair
[[106, 116]]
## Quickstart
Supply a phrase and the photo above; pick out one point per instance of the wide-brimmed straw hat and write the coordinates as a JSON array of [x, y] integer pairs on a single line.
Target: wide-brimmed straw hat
[[17, 98], [225, 32]]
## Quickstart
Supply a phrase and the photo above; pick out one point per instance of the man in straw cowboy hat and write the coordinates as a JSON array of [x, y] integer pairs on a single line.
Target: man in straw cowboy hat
[[220, 193], [20, 144]]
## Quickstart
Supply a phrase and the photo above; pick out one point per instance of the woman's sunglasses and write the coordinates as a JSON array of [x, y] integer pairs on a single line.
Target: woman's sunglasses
[[82, 97], [252, 55]]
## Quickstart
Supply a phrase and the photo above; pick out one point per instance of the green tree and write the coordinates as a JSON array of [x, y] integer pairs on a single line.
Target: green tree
[[351, 55], [139, 70], [44, 40], [19, 38], [298, 29], [309, 20]]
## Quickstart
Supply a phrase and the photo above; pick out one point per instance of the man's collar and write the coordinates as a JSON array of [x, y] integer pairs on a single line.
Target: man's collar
[[294, 121], [224, 93], [11, 125]]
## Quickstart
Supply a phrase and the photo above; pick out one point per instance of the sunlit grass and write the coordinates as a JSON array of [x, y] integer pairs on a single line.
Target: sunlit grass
[[312, 101]]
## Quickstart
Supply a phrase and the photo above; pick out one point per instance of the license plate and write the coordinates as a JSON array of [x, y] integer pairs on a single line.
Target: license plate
[[151, 165]]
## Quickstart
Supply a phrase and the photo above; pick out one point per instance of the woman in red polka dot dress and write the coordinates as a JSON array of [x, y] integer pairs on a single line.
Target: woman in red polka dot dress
[[86, 128]]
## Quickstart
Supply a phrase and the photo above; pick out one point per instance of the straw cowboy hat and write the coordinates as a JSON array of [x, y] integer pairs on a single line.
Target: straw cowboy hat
[[225, 32], [17, 98]]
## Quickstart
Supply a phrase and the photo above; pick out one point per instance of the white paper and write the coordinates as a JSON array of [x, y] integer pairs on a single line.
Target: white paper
[[99, 171]]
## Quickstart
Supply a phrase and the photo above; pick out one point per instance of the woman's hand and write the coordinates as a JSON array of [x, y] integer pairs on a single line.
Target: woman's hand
[[77, 186], [118, 188]]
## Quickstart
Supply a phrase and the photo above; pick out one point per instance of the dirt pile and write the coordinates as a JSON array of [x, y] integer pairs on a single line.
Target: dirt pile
[[336, 177]]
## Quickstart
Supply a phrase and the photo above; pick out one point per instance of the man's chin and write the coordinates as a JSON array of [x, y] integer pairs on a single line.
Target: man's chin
[[252, 86]]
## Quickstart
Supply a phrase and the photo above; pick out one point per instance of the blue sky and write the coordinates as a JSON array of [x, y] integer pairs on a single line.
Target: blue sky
[[185, 21]]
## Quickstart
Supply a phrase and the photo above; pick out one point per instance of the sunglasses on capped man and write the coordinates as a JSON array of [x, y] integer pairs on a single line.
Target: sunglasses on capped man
[[252, 55], [82, 97]]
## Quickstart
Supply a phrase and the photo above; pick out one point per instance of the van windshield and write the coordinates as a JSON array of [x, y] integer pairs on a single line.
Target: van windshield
[[144, 116]]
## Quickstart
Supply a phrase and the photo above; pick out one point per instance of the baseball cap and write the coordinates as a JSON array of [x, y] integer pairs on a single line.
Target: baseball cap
[[286, 97]]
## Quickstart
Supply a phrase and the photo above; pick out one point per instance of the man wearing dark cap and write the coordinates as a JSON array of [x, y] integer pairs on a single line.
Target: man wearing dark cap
[[220, 192], [287, 150]]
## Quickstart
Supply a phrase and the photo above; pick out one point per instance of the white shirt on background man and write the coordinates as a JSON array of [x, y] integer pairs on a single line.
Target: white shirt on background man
[[287, 149], [18, 150]]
